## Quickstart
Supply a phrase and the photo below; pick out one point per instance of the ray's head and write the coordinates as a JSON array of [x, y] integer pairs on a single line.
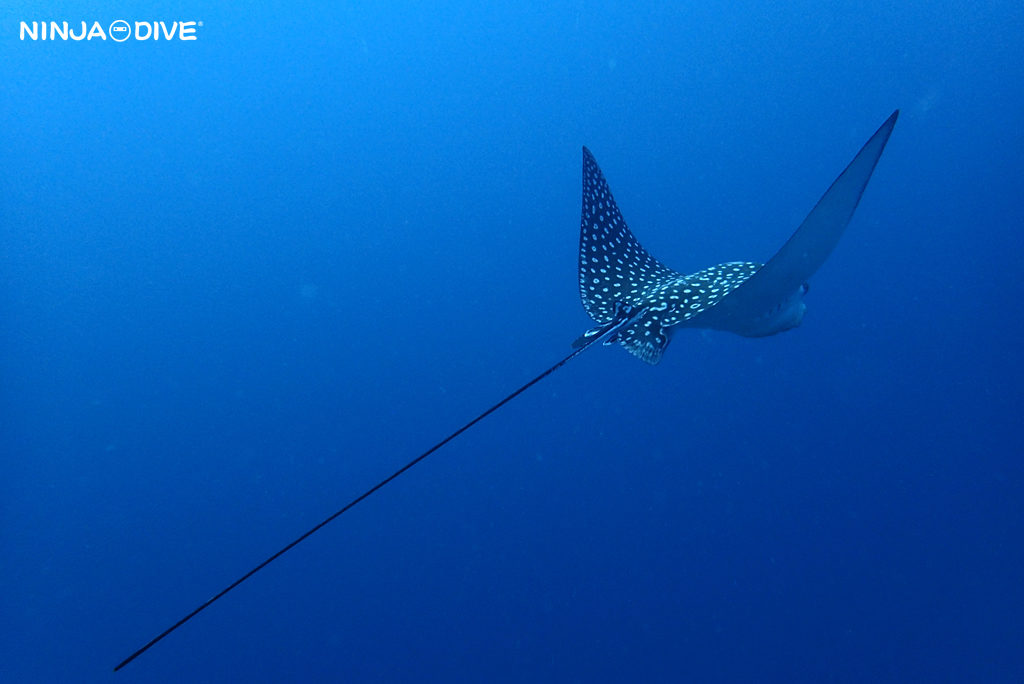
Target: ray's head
[[788, 314]]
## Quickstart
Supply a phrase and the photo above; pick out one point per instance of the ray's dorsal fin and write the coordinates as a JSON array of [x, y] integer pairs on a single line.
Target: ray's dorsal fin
[[805, 251]]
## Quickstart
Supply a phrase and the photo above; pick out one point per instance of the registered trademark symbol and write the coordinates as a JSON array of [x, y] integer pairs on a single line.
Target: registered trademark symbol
[[200, 23]]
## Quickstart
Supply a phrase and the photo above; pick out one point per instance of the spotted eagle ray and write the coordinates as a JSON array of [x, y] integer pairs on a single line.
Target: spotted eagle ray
[[639, 303]]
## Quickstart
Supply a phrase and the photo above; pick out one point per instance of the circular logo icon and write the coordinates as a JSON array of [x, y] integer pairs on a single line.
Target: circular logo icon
[[120, 31]]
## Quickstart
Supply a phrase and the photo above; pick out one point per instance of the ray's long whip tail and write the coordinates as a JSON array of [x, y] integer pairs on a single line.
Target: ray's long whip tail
[[624, 315]]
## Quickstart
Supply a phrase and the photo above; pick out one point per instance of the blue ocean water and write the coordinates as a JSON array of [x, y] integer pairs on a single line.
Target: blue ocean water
[[244, 277]]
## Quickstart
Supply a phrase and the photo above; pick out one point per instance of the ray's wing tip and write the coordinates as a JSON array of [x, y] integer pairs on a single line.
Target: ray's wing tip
[[889, 123], [881, 136]]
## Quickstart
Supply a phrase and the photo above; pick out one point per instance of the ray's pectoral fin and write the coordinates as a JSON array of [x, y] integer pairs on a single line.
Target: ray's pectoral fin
[[770, 300]]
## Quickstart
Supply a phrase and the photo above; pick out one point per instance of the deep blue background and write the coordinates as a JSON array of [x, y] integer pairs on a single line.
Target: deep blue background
[[245, 277]]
